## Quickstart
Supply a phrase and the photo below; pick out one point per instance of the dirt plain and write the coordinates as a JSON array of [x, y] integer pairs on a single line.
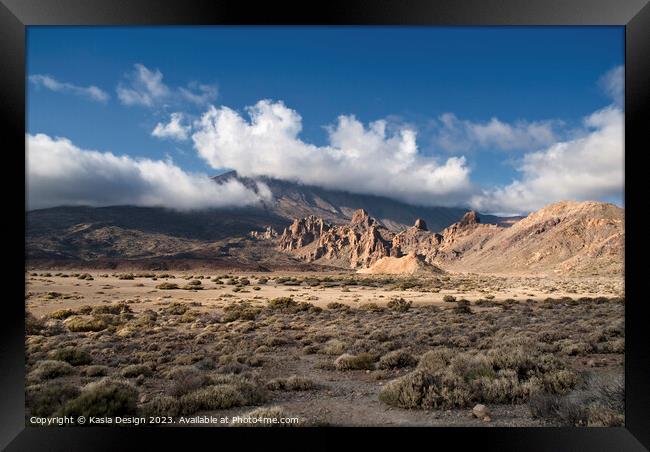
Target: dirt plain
[[331, 348]]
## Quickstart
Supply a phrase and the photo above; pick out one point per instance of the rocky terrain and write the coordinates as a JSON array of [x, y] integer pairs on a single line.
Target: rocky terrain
[[325, 348], [293, 200], [149, 237], [566, 237]]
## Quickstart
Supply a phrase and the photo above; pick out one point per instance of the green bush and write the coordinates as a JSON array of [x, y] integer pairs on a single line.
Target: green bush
[[135, 370], [167, 286], [445, 379], [362, 361], [48, 369], [396, 360], [226, 391], [105, 398], [283, 303], [45, 399], [72, 355], [399, 305], [78, 324]]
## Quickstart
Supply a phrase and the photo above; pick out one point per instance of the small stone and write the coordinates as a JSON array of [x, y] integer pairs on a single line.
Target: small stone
[[481, 411]]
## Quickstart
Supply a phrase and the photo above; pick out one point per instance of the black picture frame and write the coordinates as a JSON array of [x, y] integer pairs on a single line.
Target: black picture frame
[[634, 15]]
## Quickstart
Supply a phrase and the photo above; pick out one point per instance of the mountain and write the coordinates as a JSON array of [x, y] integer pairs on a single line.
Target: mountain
[[119, 233], [293, 200], [566, 237]]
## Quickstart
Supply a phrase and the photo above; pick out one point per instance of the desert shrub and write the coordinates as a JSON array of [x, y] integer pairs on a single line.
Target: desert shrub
[[191, 287], [48, 369], [62, 314], [185, 379], [113, 309], [33, 325], [85, 309], [334, 347], [372, 307], [79, 324], [292, 383], [161, 405], [310, 349], [282, 303], [275, 341], [226, 391], [128, 276], [445, 379], [194, 282], [86, 276], [362, 361], [262, 281], [448, 298], [45, 399], [396, 360], [240, 311], [336, 306], [135, 370], [399, 305], [72, 355], [596, 401], [175, 308], [106, 397], [462, 307], [94, 371], [167, 286]]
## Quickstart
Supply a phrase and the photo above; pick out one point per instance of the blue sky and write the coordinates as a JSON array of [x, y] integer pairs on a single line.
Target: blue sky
[[493, 96]]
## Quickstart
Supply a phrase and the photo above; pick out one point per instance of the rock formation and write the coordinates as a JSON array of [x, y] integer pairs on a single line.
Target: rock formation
[[566, 237], [411, 264], [267, 234], [360, 243]]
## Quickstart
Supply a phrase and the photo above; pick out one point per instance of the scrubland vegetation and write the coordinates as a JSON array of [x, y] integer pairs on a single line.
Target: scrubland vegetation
[[543, 361]]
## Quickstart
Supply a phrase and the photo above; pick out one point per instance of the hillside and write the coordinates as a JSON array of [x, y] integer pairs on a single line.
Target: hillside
[[564, 238]]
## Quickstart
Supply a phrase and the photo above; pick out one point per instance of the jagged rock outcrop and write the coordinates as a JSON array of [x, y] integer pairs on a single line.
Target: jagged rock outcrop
[[267, 234], [416, 239], [360, 243], [411, 264], [567, 238]]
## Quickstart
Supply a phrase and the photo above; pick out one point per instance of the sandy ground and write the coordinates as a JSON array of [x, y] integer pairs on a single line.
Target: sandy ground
[[108, 288], [341, 398]]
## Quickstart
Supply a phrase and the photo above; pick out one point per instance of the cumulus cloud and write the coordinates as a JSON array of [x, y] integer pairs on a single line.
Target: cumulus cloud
[[90, 92], [60, 173], [173, 129], [359, 158], [613, 84], [145, 87], [456, 135], [586, 168]]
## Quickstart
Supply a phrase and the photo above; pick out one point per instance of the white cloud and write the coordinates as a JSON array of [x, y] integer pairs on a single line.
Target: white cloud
[[59, 173], [145, 87], [358, 159], [586, 168], [91, 92], [613, 84], [455, 135], [173, 129]]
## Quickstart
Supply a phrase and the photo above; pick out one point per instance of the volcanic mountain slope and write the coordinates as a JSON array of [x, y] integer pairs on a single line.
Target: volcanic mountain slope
[[567, 238], [293, 200]]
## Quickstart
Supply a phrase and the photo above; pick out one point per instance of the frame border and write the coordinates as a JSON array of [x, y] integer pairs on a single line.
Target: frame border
[[15, 15]]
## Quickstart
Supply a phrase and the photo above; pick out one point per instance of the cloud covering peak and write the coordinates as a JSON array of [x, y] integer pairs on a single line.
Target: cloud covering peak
[[359, 158], [60, 173]]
